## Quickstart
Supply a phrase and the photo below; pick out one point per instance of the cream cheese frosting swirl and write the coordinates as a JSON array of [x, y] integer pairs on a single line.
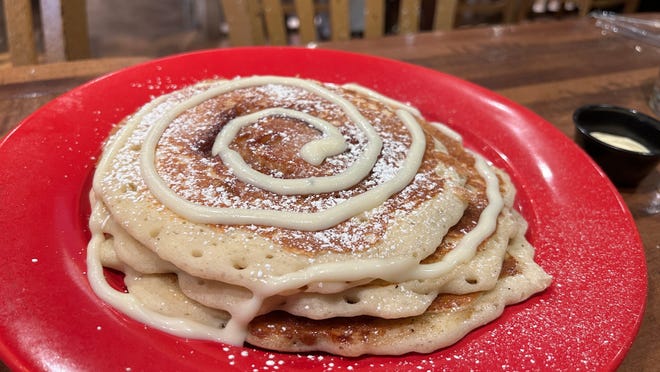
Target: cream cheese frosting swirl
[[313, 152]]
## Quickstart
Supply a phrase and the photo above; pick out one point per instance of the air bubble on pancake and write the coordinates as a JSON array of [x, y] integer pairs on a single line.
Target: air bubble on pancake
[[351, 299], [471, 281], [197, 253], [154, 233]]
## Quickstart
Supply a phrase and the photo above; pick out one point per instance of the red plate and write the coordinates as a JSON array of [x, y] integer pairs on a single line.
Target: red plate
[[584, 234]]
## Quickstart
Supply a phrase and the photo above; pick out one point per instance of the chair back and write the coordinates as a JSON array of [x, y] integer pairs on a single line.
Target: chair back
[[64, 27], [266, 19], [504, 9]]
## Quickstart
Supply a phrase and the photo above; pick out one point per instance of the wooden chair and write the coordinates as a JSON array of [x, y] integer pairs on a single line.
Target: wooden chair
[[266, 18], [64, 27], [505, 9]]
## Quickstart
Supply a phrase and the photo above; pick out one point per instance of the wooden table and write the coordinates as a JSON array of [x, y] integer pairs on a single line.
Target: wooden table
[[551, 67]]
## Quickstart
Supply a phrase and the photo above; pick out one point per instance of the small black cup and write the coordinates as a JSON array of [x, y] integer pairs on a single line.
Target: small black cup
[[625, 168]]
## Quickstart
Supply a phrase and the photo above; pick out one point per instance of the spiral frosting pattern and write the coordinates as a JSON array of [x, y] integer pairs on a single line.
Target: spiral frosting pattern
[[314, 152]]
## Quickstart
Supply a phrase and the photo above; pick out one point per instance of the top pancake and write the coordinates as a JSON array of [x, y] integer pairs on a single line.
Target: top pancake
[[397, 234]]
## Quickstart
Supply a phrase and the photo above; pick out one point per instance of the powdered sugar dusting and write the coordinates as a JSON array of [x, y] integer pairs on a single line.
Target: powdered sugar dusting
[[185, 164]]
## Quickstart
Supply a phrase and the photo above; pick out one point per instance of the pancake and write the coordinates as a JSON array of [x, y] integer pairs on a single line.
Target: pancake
[[160, 293], [120, 250], [306, 205], [396, 300], [445, 322]]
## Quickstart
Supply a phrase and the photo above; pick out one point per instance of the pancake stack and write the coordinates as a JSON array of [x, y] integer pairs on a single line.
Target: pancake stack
[[295, 215]]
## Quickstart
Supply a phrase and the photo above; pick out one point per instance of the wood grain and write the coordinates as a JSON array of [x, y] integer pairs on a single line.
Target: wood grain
[[20, 34]]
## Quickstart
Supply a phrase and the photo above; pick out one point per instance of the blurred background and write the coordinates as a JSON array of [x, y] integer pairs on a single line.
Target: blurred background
[[155, 28]]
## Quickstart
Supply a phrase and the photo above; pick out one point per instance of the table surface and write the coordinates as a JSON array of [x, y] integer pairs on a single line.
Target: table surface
[[551, 67]]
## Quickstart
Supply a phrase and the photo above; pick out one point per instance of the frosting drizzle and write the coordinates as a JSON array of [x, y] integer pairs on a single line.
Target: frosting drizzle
[[313, 152]]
